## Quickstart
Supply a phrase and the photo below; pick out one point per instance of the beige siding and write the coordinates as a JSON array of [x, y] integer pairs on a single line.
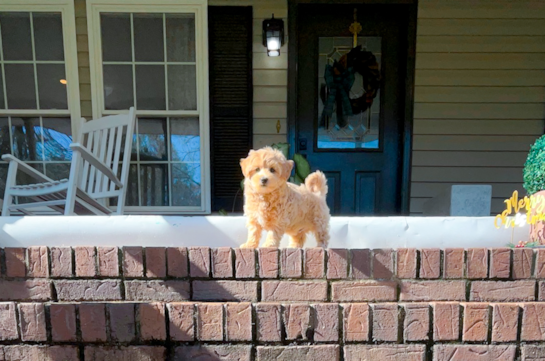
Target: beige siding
[[479, 94], [83, 59]]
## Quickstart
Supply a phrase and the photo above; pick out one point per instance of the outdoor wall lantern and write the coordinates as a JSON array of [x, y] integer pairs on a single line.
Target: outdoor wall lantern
[[273, 35]]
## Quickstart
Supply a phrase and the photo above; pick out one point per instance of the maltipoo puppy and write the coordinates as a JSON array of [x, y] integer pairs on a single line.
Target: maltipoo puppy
[[277, 206]]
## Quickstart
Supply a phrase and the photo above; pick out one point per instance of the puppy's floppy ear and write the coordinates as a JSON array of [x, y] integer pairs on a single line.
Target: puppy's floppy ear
[[286, 169], [243, 165]]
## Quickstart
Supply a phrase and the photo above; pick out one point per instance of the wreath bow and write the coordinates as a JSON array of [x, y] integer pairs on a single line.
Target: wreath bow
[[339, 85]]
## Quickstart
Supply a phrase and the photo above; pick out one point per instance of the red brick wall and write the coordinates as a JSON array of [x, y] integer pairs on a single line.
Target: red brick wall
[[201, 304]]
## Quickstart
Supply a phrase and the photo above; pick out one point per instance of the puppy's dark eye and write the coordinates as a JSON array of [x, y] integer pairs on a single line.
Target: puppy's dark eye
[[257, 169], [272, 170]]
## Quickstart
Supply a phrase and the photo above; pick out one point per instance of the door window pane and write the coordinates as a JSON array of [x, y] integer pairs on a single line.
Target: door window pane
[[186, 184], [51, 90], [150, 87], [180, 39], [148, 37], [116, 37], [2, 100], [20, 86], [57, 171], [182, 87], [27, 141], [154, 184], [5, 144], [16, 38], [348, 93], [118, 91], [48, 36]]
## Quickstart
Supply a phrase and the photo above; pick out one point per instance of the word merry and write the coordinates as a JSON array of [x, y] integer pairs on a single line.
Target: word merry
[[533, 205]]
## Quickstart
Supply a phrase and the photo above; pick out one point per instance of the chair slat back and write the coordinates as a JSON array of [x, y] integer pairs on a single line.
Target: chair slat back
[[108, 139]]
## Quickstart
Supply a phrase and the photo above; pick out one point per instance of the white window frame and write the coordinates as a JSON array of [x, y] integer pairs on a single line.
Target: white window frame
[[200, 9], [66, 8]]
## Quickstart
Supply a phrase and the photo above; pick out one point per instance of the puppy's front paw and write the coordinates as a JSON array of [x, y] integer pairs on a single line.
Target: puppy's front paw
[[270, 244], [248, 245]]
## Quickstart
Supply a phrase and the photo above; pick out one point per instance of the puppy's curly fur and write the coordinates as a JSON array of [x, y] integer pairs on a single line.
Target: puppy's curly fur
[[277, 206]]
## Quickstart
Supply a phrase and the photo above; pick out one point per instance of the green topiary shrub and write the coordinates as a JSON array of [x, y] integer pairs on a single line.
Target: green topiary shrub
[[534, 168]]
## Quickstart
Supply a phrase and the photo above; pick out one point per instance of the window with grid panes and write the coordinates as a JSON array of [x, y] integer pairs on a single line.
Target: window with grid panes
[[150, 60], [35, 113]]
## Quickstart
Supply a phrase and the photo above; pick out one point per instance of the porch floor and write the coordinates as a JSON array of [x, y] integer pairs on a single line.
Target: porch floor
[[230, 231]]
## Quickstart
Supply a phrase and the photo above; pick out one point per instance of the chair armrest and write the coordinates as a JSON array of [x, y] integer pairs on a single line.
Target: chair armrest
[[94, 161], [27, 169]]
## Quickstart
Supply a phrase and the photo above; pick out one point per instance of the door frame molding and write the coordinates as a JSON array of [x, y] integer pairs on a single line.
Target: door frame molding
[[407, 127]]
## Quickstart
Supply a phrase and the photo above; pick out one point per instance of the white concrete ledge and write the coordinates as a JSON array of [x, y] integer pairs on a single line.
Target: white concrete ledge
[[217, 231]]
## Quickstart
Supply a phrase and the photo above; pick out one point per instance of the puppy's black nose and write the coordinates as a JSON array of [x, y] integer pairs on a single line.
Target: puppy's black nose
[[264, 181]]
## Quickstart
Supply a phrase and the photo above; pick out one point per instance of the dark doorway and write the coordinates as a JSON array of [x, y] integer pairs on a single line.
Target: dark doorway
[[351, 110]]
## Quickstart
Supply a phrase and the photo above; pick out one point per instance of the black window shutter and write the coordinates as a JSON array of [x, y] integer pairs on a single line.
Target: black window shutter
[[231, 91]]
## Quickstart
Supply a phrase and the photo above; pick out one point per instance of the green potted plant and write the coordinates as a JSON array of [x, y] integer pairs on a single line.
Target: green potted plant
[[534, 183]]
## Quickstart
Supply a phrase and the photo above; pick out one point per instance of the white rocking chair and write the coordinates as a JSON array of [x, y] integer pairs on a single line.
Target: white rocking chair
[[93, 172]]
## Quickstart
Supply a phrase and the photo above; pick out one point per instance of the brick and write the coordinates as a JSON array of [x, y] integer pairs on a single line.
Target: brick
[[156, 262], [85, 258], [326, 322], [430, 263], [358, 291], [540, 263], [297, 321], [522, 263], [383, 263], [177, 263], [446, 321], [416, 324], [133, 262], [108, 261], [385, 322], [541, 291], [122, 322], [502, 291], [63, 322], [32, 322], [453, 263], [294, 291], [433, 291], [199, 262], [238, 318], [222, 262], [164, 291], [533, 321], [474, 352], [38, 262], [268, 262], [15, 262], [209, 322], [291, 265], [477, 263], [152, 321], [505, 322], [356, 322], [92, 319], [314, 263], [213, 353], [39, 353], [406, 263], [125, 353], [299, 353], [28, 290], [360, 263], [337, 263], [245, 263], [182, 325], [500, 263], [476, 321], [61, 262], [225, 291], [533, 352], [8, 322], [385, 352], [88, 290], [268, 324]]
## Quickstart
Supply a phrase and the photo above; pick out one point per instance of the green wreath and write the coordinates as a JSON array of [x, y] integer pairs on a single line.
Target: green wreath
[[339, 79]]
